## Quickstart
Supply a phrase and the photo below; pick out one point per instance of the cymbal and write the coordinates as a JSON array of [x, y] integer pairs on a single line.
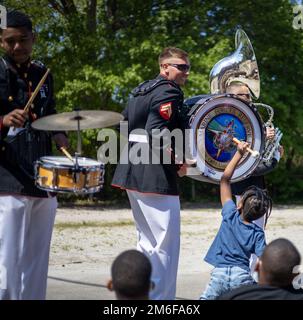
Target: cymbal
[[68, 121]]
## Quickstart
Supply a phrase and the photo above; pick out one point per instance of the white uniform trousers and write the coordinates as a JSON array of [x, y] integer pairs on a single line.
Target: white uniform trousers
[[157, 219], [253, 258], [26, 225]]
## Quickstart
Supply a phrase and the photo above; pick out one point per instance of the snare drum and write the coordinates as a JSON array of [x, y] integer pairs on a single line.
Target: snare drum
[[59, 174], [213, 121]]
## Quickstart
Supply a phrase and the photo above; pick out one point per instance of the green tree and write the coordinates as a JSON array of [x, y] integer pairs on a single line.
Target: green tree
[[99, 50]]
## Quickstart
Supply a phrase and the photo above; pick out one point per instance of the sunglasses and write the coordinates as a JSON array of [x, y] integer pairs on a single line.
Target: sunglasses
[[182, 67]]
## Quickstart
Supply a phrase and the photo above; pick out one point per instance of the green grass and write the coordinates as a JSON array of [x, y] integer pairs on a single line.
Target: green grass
[[92, 224]]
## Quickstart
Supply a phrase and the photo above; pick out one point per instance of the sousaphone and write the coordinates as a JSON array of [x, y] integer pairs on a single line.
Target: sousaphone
[[240, 66], [218, 119]]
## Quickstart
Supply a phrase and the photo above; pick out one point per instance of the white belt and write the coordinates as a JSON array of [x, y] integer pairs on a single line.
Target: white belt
[[137, 138]]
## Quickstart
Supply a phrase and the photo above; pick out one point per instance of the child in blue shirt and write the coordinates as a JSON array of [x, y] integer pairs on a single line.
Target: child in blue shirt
[[238, 237]]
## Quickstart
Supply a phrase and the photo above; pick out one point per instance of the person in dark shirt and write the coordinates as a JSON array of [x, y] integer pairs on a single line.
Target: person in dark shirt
[[152, 114], [278, 277], [237, 237], [26, 213]]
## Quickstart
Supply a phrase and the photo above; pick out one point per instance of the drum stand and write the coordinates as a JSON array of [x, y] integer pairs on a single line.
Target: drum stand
[[78, 118]]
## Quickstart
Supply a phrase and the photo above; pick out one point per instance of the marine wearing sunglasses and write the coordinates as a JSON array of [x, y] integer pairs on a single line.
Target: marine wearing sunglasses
[[176, 69], [181, 66]]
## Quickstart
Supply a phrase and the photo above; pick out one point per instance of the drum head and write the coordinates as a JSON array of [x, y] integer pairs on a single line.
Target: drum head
[[214, 123], [65, 162]]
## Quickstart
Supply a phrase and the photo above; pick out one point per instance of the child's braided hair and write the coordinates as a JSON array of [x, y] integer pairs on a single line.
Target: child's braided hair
[[255, 204]]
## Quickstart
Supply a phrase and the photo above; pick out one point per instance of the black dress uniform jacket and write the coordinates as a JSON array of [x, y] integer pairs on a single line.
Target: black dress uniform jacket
[[153, 104], [17, 154]]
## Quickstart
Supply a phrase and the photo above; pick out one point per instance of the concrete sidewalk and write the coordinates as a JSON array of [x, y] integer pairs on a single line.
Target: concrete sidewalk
[[72, 284]]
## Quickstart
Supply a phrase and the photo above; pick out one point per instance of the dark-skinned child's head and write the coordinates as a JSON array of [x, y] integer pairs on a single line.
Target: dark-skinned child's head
[[254, 204]]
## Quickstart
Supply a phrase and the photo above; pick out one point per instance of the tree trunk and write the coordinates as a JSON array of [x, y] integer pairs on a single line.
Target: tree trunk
[[92, 16], [290, 158], [65, 7]]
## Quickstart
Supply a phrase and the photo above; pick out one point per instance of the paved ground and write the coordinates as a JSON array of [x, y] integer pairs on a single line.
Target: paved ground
[[86, 241], [73, 284]]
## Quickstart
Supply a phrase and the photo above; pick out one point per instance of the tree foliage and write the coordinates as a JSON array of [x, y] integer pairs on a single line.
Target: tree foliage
[[99, 50]]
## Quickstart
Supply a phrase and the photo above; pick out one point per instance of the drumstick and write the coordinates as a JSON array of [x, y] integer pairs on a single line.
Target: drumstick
[[68, 155], [254, 153], [33, 96]]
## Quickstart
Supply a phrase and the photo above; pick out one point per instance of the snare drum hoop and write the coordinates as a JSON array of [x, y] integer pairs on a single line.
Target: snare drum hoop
[[64, 163], [203, 108], [69, 190], [54, 162]]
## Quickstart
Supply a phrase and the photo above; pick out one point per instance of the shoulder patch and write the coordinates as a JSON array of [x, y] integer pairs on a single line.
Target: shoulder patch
[[166, 110]]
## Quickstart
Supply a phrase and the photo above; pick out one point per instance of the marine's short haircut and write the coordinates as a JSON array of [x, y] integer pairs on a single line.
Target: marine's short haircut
[[278, 261], [172, 52], [131, 274], [17, 19], [255, 204]]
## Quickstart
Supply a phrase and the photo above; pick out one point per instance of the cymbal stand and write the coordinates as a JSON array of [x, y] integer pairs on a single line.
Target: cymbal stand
[[79, 141], [76, 171], [79, 146]]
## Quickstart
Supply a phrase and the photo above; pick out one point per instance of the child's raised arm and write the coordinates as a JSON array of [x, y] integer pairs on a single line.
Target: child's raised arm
[[225, 189]]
